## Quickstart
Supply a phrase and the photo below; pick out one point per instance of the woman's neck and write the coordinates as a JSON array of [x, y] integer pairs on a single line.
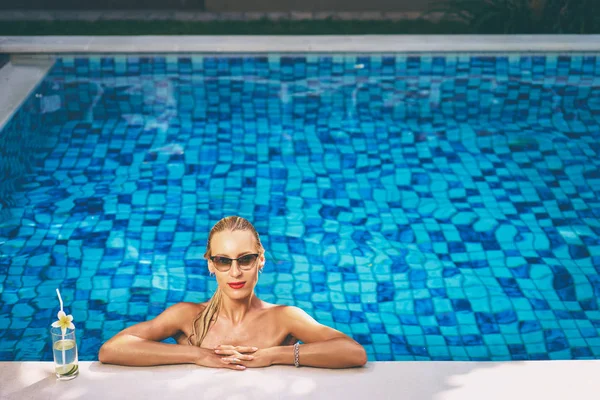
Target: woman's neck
[[236, 310]]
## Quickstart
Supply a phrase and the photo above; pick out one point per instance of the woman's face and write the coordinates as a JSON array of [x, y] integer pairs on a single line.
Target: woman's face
[[236, 283]]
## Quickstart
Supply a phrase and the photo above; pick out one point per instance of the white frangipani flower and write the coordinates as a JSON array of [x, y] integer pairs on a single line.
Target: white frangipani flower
[[64, 322]]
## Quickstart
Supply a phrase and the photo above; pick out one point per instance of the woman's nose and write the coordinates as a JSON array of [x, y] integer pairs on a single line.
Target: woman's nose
[[235, 269]]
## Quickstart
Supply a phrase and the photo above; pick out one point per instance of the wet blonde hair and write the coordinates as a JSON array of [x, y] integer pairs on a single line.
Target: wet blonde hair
[[202, 322]]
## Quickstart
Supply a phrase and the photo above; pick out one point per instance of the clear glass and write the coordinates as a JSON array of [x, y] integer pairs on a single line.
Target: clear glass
[[64, 348]]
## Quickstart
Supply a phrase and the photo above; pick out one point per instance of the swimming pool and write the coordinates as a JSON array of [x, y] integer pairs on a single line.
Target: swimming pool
[[434, 207]]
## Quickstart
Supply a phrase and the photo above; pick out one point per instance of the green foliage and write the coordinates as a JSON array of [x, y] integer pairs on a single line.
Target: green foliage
[[523, 16]]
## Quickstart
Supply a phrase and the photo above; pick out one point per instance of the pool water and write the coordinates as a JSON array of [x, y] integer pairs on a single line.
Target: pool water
[[433, 207]]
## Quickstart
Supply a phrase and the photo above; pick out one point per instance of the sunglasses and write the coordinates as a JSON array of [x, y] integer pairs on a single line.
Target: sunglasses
[[245, 263]]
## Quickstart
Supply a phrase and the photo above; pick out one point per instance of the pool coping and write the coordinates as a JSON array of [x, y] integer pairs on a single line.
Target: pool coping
[[415, 380], [294, 44]]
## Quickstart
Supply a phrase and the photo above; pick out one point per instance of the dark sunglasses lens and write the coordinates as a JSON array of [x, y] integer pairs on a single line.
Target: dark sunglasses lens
[[222, 261], [248, 260]]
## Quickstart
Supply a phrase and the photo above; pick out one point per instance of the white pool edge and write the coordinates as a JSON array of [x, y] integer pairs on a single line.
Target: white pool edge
[[414, 380], [295, 44]]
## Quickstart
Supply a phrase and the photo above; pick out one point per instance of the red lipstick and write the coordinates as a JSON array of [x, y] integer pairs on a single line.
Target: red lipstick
[[236, 285]]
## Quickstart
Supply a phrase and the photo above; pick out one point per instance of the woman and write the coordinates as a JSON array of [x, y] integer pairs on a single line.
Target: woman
[[235, 329]]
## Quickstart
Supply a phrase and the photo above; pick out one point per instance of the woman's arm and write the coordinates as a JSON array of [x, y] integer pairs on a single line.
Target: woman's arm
[[332, 353], [139, 345], [323, 346]]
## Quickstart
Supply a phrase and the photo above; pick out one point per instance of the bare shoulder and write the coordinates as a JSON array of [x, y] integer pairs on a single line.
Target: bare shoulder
[[185, 310], [290, 314], [170, 323], [270, 307], [186, 307], [291, 311], [303, 326], [273, 311]]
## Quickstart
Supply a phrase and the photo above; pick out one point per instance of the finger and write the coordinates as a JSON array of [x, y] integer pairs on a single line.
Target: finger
[[246, 349], [234, 366], [234, 354], [226, 352], [231, 360], [224, 347]]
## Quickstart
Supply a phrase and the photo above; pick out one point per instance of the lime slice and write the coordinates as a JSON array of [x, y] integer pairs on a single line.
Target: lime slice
[[64, 345], [67, 370]]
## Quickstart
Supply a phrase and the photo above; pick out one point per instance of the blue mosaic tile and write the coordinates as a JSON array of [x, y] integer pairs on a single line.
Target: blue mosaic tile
[[432, 207]]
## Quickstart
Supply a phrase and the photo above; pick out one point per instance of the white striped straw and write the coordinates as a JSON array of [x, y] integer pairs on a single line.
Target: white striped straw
[[59, 299]]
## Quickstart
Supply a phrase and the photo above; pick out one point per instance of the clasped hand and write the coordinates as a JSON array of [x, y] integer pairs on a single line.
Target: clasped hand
[[238, 357]]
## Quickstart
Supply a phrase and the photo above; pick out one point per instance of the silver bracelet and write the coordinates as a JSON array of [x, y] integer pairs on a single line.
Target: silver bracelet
[[297, 354]]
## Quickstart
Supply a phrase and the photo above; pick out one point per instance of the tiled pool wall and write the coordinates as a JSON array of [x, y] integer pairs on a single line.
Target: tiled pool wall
[[20, 143], [448, 227]]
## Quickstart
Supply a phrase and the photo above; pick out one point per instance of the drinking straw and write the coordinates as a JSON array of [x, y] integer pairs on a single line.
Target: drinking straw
[[59, 299], [62, 332]]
